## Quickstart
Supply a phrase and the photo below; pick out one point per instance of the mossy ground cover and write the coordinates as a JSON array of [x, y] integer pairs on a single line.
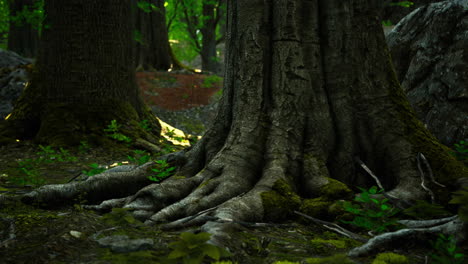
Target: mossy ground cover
[[44, 236]]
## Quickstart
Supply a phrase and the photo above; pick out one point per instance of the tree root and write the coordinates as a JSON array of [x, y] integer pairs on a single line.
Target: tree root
[[451, 226]]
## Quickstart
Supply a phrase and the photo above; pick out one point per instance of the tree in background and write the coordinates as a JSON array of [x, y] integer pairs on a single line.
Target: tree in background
[[201, 24], [152, 50], [25, 22], [309, 93], [84, 77]]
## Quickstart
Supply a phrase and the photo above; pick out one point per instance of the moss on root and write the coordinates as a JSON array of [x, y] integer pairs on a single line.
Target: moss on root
[[390, 258], [280, 202]]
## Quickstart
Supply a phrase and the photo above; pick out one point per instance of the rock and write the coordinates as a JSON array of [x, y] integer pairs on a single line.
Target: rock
[[9, 58], [429, 48], [13, 78], [123, 244]]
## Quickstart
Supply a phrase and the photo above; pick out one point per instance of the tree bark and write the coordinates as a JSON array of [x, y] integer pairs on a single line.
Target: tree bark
[[152, 51], [208, 30], [309, 88], [84, 77], [23, 38]]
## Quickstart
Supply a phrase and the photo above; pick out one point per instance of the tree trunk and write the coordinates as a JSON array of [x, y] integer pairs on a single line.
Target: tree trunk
[[208, 51], [84, 77], [152, 49], [309, 88], [23, 38]]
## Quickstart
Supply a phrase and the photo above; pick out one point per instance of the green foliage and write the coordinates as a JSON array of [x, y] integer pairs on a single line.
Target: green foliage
[[145, 125], [4, 21], [193, 249], [403, 4], [162, 171], [390, 258], [31, 14], [84, 146], [95, 169], [170, 133], [113, 132], [446, 251], [339, 258], [425, 210], [371, 214], [461, 151], [147, 6], [49, 155], [387, 23], [461, 198], [141, 157], [211, 80], [120, 217], [29, 175]]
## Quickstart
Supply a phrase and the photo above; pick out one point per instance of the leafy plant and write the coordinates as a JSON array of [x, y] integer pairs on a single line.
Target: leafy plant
[[49, 155], [193, 249], [171, 134], [387, 23], [403, 4], [28, 173], [461, 151], [460, 197], [113, 130], [371, 214], [145, 125], [141, 157], [211, 80], [147, 6], [84, 146], [446, 251], [95, 169], [163, 171]]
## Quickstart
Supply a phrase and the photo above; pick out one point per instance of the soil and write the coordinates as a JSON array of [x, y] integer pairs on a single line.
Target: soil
[[33, 235]]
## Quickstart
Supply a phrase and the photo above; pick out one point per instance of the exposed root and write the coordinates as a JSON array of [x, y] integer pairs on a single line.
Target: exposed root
[[454, 227]]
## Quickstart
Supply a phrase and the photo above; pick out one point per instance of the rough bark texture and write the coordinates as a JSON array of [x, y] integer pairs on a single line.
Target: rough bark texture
[[309, 87], [152, 48], [429, 48], [84, 76], [23, 38]]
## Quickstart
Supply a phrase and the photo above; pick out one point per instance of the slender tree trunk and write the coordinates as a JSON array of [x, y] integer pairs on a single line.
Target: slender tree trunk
[[23, 38], [152, 48], [309, 88], [208, 51], [84, 76]]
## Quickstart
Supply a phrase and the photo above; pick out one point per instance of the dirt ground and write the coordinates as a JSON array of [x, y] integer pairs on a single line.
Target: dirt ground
[[68, 234]]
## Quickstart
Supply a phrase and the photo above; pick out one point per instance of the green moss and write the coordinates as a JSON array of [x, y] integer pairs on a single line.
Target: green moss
[[316, 207], [279, 203], [335, 190], [339, 258], [324, 246], [390, 258], [139, 257]]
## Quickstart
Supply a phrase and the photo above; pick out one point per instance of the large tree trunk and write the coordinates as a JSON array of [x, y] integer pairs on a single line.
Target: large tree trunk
[[23, 38], [309, 87], [84, 77], [152, 50], [208, 49]]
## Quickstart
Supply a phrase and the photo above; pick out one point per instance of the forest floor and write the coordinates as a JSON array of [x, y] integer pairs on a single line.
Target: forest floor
[[68, 234]]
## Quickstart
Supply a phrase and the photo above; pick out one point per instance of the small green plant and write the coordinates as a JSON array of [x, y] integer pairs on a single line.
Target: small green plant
[[446, 251], [28, 174], [211, 80], [141, 157], [48, 155], [145, 125], [171, 134], [163, 171], [387, 23], [371, 214], [84, 146], [403, 4], [193, 249], [113, 132], [95, 169], [461, 151]]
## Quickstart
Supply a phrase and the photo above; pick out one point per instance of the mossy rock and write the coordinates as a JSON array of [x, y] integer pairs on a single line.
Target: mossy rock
[[390, 258]]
